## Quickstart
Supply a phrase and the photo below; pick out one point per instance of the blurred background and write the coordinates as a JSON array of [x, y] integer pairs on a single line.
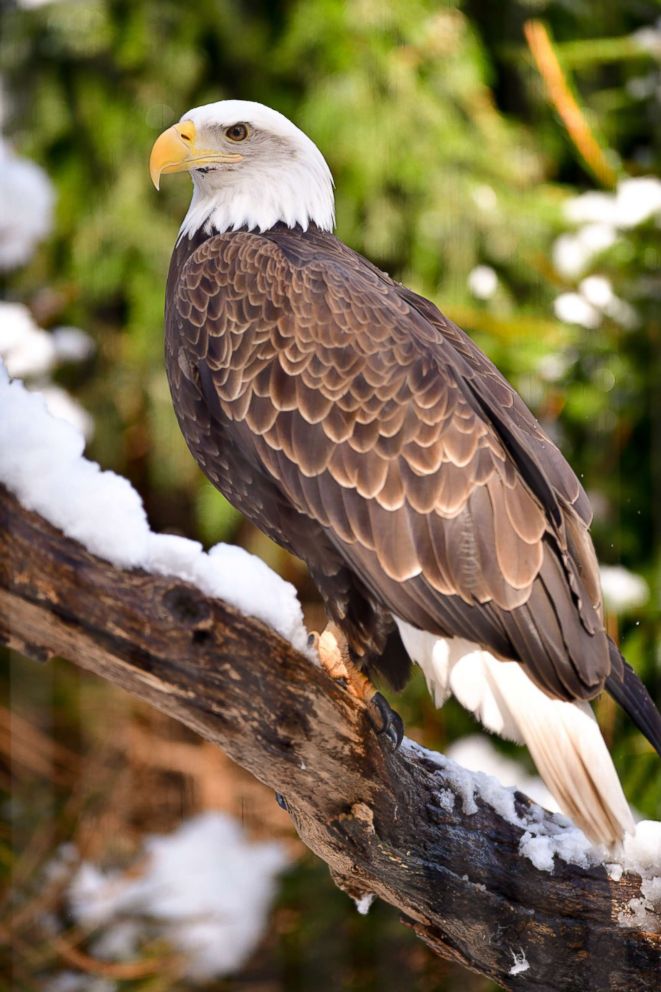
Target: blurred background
[[498, 158]]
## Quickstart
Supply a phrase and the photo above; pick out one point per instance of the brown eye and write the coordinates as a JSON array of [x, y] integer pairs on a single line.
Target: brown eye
[[237, 132]]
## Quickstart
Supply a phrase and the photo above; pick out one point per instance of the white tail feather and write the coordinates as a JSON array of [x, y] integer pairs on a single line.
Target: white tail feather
[[563, 738]]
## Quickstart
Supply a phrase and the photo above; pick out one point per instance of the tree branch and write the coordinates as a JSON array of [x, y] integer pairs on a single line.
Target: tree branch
[[374, 816]]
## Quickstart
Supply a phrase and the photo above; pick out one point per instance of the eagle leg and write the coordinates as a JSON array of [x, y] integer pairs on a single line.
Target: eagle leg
[[335, 658]]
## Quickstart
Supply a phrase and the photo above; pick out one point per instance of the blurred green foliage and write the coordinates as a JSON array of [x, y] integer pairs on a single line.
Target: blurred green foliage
[[447, 154]]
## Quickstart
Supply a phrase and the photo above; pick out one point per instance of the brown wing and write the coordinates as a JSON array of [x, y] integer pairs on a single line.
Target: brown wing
[[380, 421]]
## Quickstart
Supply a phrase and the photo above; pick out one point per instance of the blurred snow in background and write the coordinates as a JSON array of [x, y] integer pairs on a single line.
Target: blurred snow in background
[[32, 354], [206, 889], [482, 281], [26, 207], [28, 351], [622, 590], [600, 217], [599, 221]]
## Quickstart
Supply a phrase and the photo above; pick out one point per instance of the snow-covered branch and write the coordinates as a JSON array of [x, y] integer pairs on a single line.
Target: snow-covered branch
[[445, 846]]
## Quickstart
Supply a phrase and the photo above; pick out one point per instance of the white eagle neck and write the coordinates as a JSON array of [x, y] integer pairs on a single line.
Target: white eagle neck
[[299, 194]]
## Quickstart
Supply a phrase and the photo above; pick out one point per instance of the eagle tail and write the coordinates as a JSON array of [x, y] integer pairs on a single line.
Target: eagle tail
[[563, 738], [566, 744], [633, 697]]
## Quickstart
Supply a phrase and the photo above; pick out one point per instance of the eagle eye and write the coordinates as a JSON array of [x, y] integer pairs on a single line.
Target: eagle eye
[[237, 132]]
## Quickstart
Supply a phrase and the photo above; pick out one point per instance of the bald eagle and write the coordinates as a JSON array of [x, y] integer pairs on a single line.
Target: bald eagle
[[362, 430]]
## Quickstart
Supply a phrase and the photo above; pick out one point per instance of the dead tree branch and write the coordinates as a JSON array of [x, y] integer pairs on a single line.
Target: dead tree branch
[[374, 816]]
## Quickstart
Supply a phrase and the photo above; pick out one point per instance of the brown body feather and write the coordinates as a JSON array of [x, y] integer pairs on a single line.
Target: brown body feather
[[366, 433]]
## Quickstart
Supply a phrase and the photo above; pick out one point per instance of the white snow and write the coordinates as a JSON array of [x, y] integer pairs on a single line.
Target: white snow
[[520, 963], [42, 463], [642, 850], [634, 202], [71, 344], [572, 253], [572, 308], [554, 366], [60, 403], [26, 207], [482, 281], [477, 753], [649, 39], [597, 290], [445, 799], [595, 297], [622, 590], [364, 904], [25, 349], [545, 836], [32, 353], [205, 888], [599, 217], [642, 912]]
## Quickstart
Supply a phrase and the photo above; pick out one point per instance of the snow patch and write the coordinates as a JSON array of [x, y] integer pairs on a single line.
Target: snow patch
[[572, 253], [642, 850], [599, 219], [26, 207], [25, 349], [598, 292], [205, 888], [482, 282], [622, 590], [555, 366], [543, 846], [649, 39], [520, 963], [71, 344], [30, 352], [546, 836], [445, 799], [572, 308], [42, 463], [634, 202], [643, 912], [364, 904], [62, 405], [477, 753]]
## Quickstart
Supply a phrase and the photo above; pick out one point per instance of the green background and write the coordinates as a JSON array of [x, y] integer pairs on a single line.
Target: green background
[[447, 154]]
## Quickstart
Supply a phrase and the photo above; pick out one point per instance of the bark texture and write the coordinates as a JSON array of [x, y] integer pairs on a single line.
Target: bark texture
[[375, 816]]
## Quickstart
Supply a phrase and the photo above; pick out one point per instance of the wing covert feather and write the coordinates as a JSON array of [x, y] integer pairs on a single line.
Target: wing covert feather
[[383, 422]]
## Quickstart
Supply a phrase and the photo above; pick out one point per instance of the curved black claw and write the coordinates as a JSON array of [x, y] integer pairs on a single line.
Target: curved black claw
[[281, 801], [386, 721]]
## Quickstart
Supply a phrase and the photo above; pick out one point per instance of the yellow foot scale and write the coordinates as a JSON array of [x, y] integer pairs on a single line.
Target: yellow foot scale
[[335, 659]]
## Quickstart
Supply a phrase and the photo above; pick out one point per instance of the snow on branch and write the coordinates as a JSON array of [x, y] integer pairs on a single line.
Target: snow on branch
[[481, 873]]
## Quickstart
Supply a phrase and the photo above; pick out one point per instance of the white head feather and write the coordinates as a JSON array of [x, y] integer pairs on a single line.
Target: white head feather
[[282, 176]]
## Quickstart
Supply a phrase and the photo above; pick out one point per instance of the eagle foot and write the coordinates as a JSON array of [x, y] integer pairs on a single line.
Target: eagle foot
[[335, 659], [385, 720]]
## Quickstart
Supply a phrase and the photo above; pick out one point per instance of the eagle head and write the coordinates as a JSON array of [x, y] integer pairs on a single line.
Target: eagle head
[[251, 169]]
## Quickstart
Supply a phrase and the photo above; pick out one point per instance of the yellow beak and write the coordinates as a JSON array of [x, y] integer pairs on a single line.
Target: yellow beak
[[176, 151]]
